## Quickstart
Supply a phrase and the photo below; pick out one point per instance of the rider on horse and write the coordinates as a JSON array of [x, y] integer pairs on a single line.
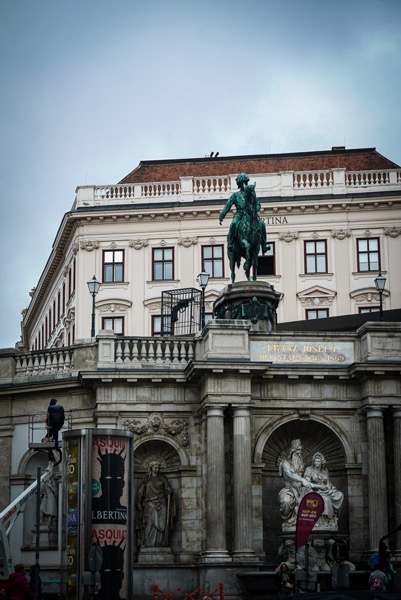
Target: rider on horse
[[240, 200]]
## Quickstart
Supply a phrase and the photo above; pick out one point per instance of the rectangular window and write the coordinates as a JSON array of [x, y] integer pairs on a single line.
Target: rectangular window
[[267, 262], [368, 309], [212, 260], [58, 306], [315, 256], [157, 325], [368, 254], [69, 283], [113, 266], [63, 299], [115, 324], [163, 264], [318, 313]]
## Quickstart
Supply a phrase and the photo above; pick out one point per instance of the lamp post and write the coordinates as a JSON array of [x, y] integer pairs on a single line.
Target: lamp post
[[203, 279], [94, 286], [380, 282]]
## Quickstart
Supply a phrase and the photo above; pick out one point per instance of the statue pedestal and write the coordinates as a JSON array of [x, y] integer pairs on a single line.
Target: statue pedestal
[[156, 556], [47, 537], [255, 301]]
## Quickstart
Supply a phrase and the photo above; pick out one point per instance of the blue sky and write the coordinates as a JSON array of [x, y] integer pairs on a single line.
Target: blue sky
[[91, 87]]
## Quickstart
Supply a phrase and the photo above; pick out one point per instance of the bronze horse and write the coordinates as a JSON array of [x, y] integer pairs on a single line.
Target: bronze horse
[[248, 237]]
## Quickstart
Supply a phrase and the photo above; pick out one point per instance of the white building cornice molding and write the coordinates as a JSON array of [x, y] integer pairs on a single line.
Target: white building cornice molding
[[316, 296], [367, 295], [112, 306]]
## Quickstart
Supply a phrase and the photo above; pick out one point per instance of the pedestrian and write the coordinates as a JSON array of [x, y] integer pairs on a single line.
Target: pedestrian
[[378, 581], [19, 588], [285, 582], [54, 420]]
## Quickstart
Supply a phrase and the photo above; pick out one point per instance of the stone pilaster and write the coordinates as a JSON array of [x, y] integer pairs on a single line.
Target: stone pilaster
[[216, 501], [378, 520], [397, 473], [242, 462]]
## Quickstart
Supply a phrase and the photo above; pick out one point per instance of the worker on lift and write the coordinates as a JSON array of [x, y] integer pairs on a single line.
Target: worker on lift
[[54, 421]]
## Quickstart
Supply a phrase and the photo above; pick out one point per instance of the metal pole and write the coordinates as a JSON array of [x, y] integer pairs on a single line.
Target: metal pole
[[381, 305], [37, 545], [203, 307], [93, 316]]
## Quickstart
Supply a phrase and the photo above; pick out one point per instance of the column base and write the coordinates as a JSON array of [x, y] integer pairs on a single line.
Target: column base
[[213, 556], [244, 556]]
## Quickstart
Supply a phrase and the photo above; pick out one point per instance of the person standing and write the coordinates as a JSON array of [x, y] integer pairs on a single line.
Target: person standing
[[54, 420], [19, 588], [285, 582]]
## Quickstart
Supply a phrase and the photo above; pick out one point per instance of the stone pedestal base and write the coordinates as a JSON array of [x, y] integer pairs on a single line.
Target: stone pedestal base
[[155, 556], [47, 537], [255, 301]]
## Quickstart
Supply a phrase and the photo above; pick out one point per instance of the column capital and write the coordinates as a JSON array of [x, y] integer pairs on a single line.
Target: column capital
[[396, 412], [215, 410], [374, 411]]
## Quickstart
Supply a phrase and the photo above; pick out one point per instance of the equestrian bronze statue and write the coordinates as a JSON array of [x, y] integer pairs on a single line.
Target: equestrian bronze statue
[[247, 233]]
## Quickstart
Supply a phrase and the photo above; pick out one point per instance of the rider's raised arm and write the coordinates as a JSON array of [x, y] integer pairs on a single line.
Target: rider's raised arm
[[227, 207]]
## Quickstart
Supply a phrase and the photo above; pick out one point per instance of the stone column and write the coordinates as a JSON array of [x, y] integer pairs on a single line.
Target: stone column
[[378, 521], [397, 473], [215, 492], [242, 471]]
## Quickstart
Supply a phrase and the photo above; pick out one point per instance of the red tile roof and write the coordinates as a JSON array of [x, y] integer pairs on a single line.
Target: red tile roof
[[361, 159]]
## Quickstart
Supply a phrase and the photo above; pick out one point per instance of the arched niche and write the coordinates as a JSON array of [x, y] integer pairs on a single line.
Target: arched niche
[[315, 436], [169, 458]]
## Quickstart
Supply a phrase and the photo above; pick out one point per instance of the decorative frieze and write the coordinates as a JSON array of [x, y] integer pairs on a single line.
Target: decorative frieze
[[340, 234], [392, 231], [155, 422], [187, 242], [138, 244], [288, 237], [89, 246]]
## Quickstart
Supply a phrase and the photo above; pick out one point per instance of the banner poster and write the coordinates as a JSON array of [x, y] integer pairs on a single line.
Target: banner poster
[[309, 511], [73, 511], [110, 513]]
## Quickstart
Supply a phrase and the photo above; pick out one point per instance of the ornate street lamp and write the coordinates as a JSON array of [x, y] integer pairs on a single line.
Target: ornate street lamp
[[380, 283], [94, 287], [203, 279]]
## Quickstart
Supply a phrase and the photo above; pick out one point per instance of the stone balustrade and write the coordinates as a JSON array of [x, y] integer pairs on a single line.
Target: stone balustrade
[[289, 184], [44, 362], [167, 352], [114, 352]]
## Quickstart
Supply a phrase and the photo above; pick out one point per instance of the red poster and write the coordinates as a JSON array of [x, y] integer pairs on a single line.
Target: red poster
[[309, 511]]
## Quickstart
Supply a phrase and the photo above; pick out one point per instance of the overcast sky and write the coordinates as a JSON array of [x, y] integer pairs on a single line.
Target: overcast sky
[[91, 87]]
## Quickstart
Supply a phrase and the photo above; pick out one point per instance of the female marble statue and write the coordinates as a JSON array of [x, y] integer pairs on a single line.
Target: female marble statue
[[155, 508], [318, 476]]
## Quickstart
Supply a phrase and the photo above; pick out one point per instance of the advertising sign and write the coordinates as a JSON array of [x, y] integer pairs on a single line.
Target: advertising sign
[[73, 486], [309, 512], [98, 519], [111, 515]]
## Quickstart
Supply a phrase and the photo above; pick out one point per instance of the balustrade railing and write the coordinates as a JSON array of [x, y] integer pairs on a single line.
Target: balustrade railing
[[160, 189], [354, 178], [44, 362], [313, 179], [269, 184], [207, 185], [158, 351]]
